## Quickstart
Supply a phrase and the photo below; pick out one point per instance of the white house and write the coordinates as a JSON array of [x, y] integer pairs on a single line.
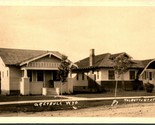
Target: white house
[[96, 73], [30, 72]]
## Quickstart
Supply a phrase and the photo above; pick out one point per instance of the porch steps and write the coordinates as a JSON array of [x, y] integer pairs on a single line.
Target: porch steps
[[51, 91]]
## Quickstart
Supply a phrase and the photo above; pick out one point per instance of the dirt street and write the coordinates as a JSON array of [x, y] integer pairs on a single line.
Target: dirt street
[[125, 110]]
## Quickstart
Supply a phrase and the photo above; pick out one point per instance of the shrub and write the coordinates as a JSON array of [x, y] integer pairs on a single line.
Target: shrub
[[149, 87], [135, 85]]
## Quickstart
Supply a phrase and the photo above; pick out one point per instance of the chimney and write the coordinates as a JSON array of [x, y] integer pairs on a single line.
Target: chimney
[[91, 57]]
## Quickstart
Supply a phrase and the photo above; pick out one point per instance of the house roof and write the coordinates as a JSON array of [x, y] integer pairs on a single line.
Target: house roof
[[145, 62], [17, 56], [106, 60]]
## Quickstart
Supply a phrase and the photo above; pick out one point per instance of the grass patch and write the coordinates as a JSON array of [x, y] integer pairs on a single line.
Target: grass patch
[[111, 94], [9, 98]]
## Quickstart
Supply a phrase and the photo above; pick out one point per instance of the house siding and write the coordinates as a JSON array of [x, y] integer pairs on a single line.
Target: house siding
[[99, 81], [147, 79], [80, 84], [5, 86], [36, 88], [15, 78], [104, 74]]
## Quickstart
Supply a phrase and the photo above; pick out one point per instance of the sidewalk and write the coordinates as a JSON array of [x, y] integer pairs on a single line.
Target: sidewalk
[[72, 98]]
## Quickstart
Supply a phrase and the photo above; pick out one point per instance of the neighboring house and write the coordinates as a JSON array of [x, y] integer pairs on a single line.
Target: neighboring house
[[30, 72], [96, 73]]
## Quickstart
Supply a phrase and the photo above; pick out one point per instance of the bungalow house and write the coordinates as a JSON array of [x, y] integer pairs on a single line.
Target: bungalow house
[[30, 72], [96, 73]]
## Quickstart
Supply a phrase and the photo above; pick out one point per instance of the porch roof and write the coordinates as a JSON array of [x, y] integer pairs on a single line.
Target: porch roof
[[18, 56], [150, 63]]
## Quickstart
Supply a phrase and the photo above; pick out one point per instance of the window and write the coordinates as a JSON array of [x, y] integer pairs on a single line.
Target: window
[[29, 73], [77, 76], [40, 75], [111, 74], [98, 75], [83, 76], [150, 75], [94, 76], [7, 73], [132, 75]]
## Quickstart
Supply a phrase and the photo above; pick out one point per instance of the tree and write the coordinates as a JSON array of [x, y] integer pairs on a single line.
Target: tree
[[63, 70], [121, 65]]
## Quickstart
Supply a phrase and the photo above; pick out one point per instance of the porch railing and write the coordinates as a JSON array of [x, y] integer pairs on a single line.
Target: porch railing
[[43, 64]]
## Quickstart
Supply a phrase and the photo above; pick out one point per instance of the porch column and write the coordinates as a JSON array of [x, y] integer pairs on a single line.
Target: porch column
[[25, 84], [25, 73]]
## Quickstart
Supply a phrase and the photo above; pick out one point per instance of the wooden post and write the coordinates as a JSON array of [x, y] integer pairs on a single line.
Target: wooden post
[[116, 89], [25, 73], [61, 90]]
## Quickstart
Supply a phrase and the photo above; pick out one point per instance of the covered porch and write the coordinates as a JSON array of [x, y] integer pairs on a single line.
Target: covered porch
[[148, 73], [39, 79]]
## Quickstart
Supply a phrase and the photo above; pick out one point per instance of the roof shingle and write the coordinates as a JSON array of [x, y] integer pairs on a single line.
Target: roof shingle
[[17, 56], [106, 60]]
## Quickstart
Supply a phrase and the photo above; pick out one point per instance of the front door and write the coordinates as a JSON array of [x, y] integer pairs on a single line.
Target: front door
[[49, 79]]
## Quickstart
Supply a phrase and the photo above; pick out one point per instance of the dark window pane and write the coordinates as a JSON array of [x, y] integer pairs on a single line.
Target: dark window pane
[[40, 75], [111, 74], [132, 75], [29, 73], [150, 75]]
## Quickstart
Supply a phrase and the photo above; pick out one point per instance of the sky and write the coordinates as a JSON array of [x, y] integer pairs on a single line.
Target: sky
[[74, 30]]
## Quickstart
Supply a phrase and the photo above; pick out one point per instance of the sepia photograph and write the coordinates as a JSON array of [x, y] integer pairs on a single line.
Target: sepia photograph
[[77, 61]]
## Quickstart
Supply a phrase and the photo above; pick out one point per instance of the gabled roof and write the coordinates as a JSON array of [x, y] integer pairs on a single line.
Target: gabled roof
[[112, 56], [84, 63], [18, 56], [145, 62], [106, 60]]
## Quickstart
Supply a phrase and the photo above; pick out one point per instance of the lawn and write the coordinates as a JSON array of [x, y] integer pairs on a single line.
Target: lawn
[[4, 98], [30, 107], [119, 94], [8, 98]]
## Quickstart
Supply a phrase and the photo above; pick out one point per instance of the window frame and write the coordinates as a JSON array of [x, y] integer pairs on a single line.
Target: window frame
[[131, 75], [111, 74]]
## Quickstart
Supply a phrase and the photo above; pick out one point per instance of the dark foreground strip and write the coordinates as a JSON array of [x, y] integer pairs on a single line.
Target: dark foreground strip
[[67, 105]]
